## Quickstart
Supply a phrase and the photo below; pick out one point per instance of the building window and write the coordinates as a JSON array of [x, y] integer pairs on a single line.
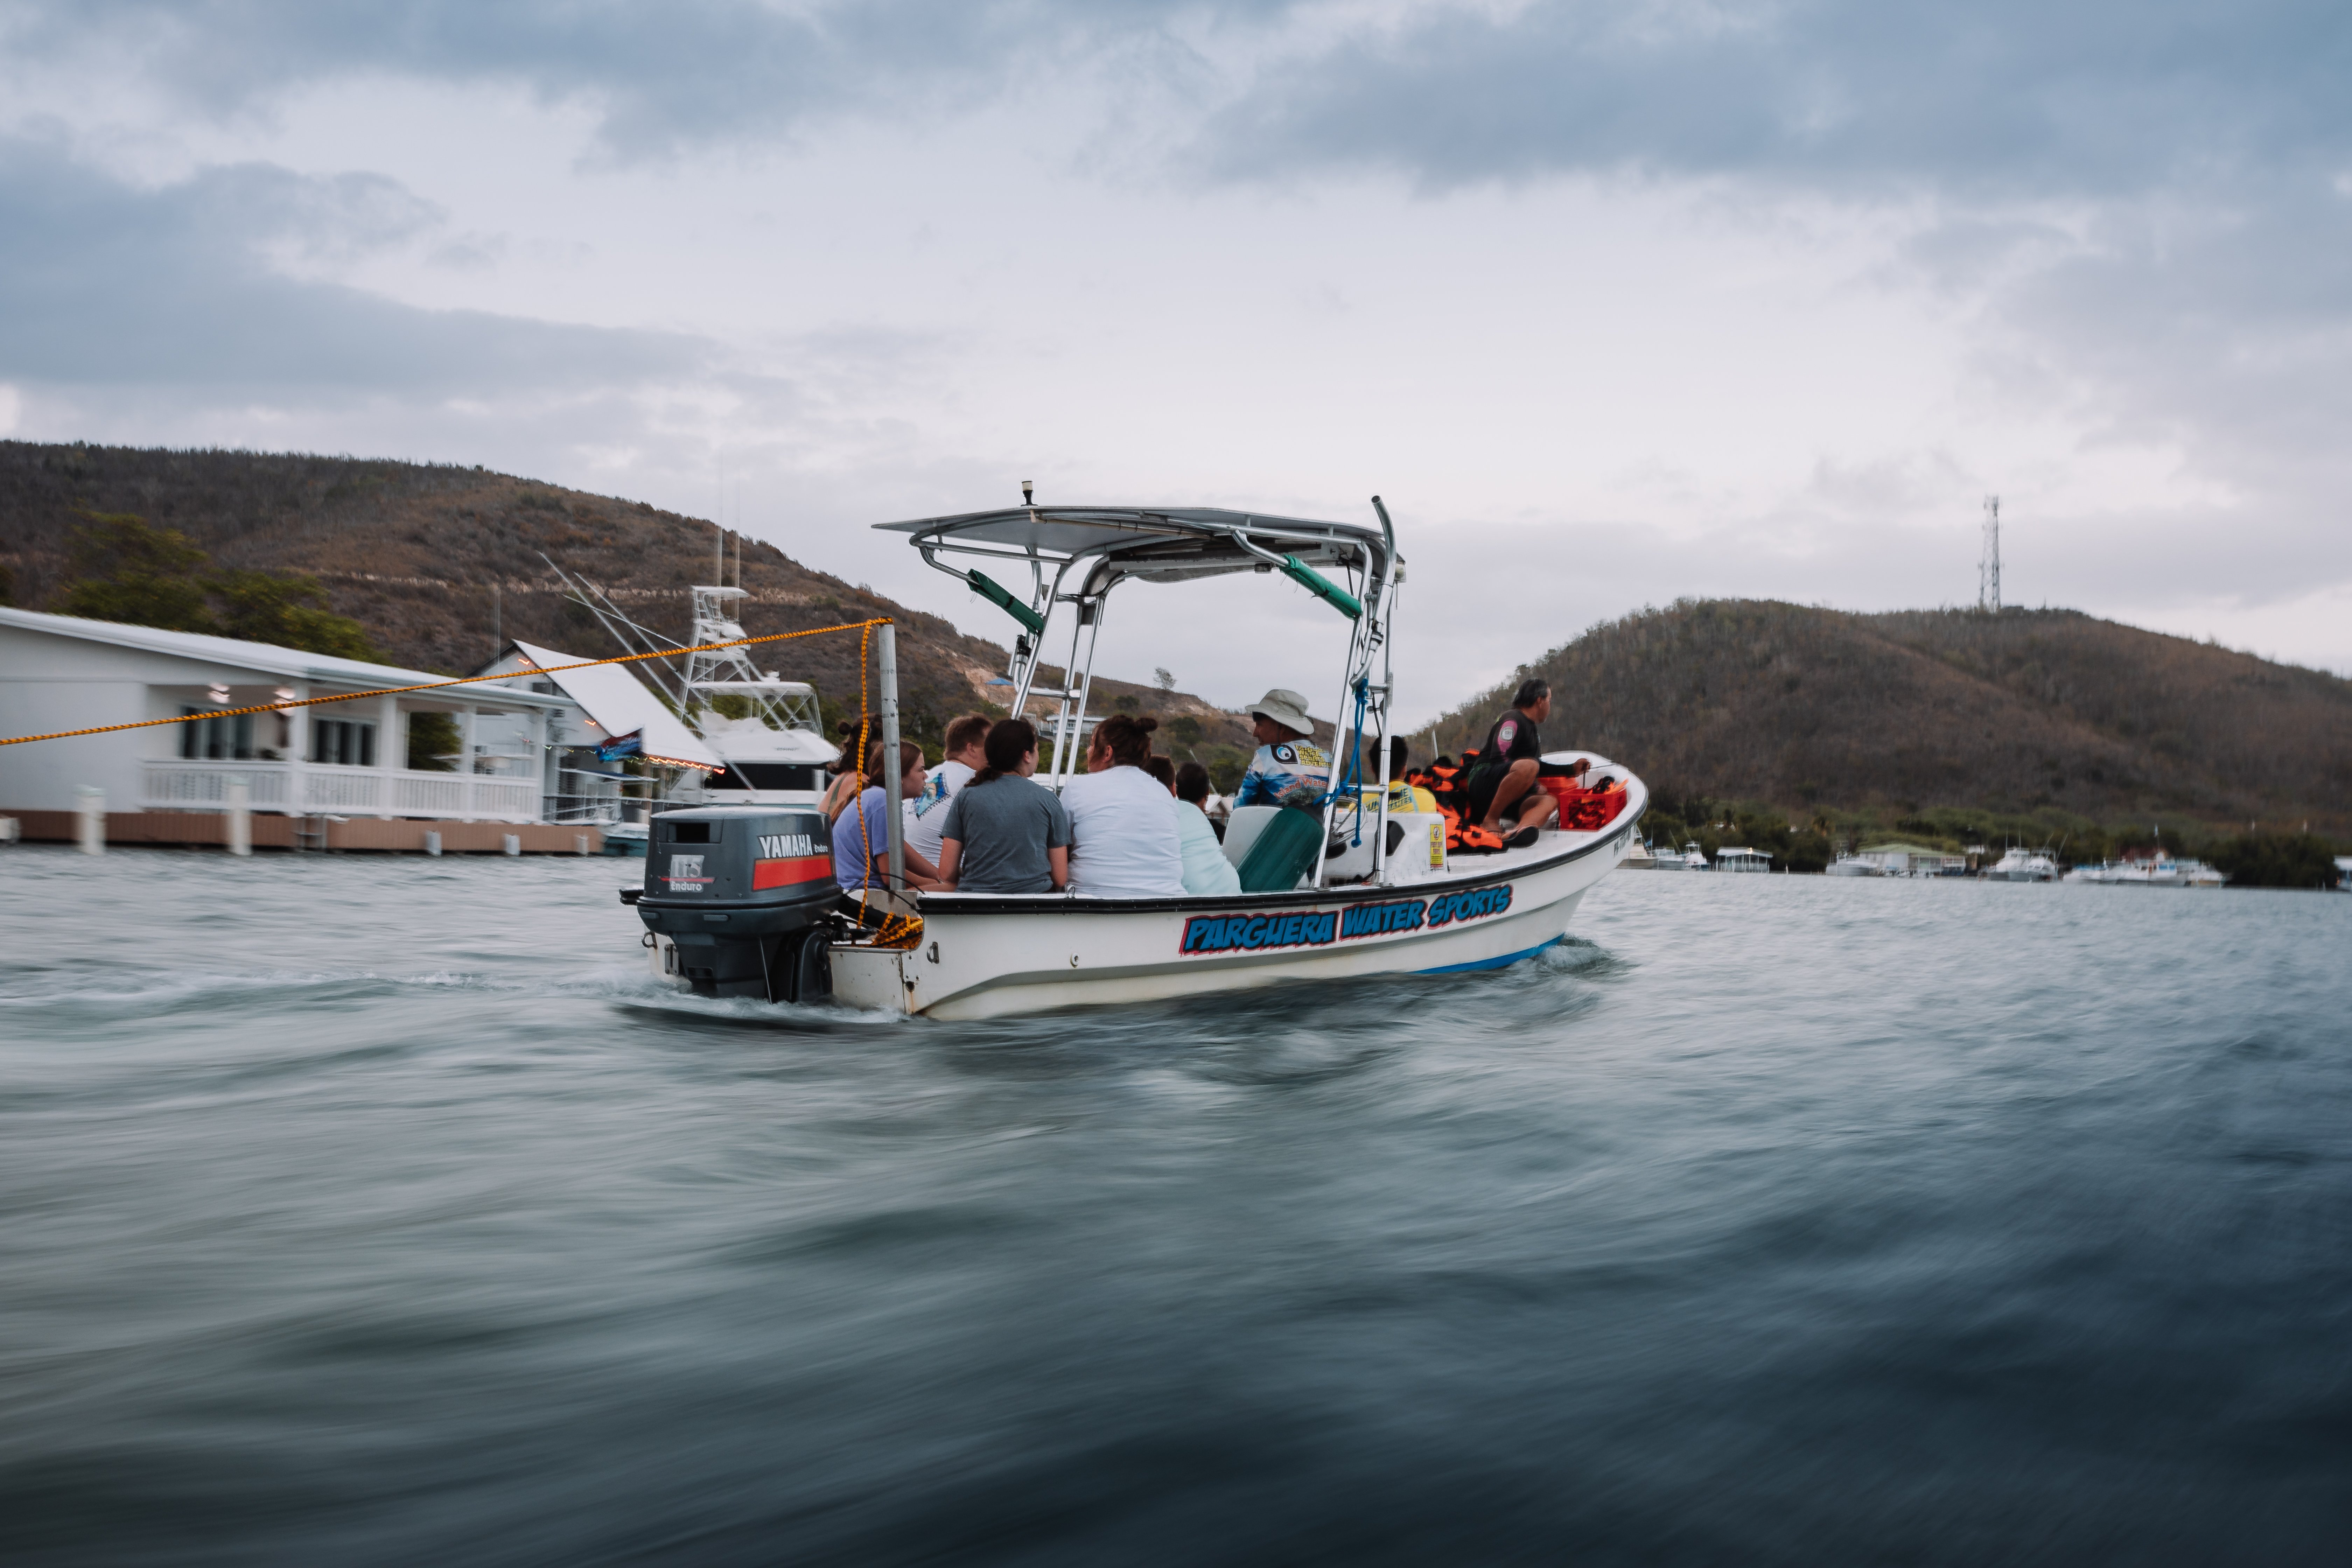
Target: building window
[[343, 742], [215, 737]]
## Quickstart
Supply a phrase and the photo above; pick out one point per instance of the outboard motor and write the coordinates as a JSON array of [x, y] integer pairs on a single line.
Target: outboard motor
[[747, 894]]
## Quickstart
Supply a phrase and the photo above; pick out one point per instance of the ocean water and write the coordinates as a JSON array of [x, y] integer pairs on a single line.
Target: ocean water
[[377, 1211]]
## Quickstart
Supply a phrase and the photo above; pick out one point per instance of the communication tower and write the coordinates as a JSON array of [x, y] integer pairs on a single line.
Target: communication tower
[[1988, 565]]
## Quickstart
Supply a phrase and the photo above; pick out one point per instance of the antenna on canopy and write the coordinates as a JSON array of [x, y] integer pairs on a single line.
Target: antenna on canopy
[[1028, 492]]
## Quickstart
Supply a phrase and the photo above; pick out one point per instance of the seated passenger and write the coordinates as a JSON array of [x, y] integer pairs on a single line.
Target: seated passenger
[[1003, 833], [1206, 870], [1192, 788], [964, 758], [1288, 766], [1124, 838], [861, 839], [1503, 786], [1403, 794], [847, 780]]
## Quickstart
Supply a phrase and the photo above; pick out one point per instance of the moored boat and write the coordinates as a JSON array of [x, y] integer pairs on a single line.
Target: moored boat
[[2150, 871], [2022, 866]]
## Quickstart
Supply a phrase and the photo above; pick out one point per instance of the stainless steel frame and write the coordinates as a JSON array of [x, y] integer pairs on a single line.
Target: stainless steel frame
[[1113, 544]]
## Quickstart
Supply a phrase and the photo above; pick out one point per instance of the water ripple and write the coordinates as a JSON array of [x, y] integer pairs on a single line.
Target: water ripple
[[379, 1211]]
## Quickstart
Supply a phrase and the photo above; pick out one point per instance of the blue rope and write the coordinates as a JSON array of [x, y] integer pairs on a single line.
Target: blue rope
[[1352, 785]]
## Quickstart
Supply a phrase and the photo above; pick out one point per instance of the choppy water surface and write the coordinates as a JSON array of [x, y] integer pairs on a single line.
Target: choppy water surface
[[376, 1211]]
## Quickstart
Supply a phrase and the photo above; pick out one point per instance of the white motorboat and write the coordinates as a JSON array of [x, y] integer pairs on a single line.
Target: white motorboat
[[1639, 858], [2156, 871], [2022, 866], [1373, 894], [1856, 866], [1692, 858], [1730, 859]]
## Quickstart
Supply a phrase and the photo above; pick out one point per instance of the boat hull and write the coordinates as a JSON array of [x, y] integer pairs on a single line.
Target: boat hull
[[984, 958]]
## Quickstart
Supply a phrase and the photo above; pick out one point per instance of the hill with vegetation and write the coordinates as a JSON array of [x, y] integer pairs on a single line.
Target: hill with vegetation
[[430, 567], [2039, 726]]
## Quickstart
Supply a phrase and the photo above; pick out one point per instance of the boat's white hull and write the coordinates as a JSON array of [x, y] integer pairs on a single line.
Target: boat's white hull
[[984, 958]]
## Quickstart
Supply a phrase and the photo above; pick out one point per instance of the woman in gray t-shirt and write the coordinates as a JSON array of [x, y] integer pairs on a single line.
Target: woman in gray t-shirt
[[1003, 833]]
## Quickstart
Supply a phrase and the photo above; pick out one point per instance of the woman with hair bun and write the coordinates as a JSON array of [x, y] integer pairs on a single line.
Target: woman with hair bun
[[1126, 840]]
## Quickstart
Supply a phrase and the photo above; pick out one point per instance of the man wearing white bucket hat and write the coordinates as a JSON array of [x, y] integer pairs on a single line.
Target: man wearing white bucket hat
[[1287, 762]]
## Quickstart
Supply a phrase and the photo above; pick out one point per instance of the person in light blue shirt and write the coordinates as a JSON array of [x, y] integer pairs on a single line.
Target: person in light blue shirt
[[1206, 870], [1288, 764], [861, 835]]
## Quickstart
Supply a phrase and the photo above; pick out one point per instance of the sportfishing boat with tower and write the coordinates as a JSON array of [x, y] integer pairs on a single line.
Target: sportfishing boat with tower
[[719, 731], [740, 899]]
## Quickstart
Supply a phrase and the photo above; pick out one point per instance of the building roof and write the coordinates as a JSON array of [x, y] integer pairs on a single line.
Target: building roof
[[267, 659], [620, 704], [1905, 850]]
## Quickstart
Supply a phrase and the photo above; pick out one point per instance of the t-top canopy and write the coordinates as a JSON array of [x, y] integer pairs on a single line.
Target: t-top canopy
[[1160, 544]]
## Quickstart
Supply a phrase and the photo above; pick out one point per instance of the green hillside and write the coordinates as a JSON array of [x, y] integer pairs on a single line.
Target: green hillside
[[429, 558], [2026, 723]]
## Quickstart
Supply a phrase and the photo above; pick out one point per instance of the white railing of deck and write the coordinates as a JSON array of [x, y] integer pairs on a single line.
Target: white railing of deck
[[308, 788]]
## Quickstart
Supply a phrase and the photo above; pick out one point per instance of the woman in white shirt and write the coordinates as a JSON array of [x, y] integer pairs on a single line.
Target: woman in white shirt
[[1125, 840]]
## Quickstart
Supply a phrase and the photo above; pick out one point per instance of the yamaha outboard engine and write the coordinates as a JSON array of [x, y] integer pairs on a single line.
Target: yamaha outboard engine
[[747, 895]]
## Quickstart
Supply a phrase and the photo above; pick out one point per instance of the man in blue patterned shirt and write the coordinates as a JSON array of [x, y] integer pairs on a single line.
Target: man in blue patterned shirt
[[1288, 764]]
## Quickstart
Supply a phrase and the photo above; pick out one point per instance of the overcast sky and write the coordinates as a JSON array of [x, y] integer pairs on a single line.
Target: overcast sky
[[1615, 303]]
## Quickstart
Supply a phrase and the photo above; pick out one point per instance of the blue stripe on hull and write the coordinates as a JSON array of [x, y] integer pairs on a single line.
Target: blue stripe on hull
[[1503, 963]]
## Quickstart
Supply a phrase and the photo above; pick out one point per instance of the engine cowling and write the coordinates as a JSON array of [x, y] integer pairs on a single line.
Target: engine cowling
[[742, 892]]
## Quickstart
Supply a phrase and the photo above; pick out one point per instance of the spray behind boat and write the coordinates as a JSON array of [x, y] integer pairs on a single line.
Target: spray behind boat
[[748, 897]]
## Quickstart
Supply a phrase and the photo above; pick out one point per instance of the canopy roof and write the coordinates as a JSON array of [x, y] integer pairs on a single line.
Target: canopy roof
[[1164, 544]]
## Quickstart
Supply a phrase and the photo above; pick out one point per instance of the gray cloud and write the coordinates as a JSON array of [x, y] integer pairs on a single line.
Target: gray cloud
[[661, 77], [107, 284], [1996, 96]]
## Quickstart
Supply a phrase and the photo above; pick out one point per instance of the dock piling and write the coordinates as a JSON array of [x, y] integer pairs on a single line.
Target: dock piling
[[90, 819], [240, 815]]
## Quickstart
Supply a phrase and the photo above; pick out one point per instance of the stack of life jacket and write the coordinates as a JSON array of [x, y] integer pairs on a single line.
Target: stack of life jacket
[[1448, 783], [1585, 810]]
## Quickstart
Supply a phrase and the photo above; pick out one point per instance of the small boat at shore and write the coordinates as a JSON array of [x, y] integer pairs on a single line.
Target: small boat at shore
[[741, 900], [2021, 865], [2157, 871]]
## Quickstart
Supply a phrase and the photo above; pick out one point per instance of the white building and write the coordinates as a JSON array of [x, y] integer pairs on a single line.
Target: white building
[[1913, 860], [348, 759]]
